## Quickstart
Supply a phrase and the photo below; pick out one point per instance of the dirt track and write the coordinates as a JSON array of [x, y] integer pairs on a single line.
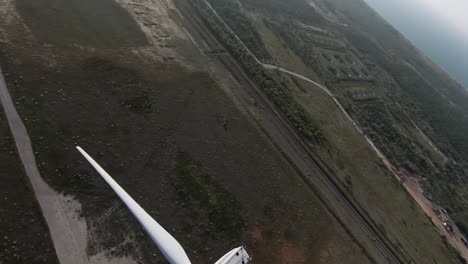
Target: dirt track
[[413, 187], [67, 231]]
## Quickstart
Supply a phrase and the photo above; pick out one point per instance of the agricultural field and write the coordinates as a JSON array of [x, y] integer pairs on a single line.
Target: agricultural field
[[125, 81]]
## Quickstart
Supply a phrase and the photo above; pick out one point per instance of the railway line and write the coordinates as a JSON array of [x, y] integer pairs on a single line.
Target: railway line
[[297, 142]]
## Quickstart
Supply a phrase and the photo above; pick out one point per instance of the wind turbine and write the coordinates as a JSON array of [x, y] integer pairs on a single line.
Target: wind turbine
[[168, 245]]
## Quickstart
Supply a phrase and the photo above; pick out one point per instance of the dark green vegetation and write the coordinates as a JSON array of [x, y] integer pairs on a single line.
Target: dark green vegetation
[[224, 211], [233, 16], [276, 91], [24, 233], [447, 118], [391, 130], [430, 94], [100, 23], [439, 101]]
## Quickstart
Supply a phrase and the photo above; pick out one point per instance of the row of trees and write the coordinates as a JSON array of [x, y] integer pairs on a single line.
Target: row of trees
[[233, 16], [283, 100]]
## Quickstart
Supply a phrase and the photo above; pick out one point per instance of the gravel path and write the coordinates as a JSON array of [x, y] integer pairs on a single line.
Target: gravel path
[[61, 213]]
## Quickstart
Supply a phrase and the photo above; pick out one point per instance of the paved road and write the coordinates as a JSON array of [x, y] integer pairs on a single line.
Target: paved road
[[279, 68], [295, 74], [296, 141], [62, 224]]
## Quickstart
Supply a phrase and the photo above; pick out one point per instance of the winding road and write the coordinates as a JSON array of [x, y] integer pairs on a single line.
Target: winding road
[[294, 74]]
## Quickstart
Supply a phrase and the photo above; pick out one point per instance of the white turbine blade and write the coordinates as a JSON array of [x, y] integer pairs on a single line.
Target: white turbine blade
[[170, 248]]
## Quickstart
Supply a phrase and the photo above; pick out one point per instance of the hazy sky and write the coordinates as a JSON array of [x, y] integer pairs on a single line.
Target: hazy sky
[[438, 27]]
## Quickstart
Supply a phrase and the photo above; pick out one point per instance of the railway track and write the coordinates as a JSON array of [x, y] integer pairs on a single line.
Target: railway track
[[297, 142]]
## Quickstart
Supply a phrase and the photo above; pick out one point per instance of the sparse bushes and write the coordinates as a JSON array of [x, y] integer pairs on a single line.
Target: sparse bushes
[[223, 210]]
